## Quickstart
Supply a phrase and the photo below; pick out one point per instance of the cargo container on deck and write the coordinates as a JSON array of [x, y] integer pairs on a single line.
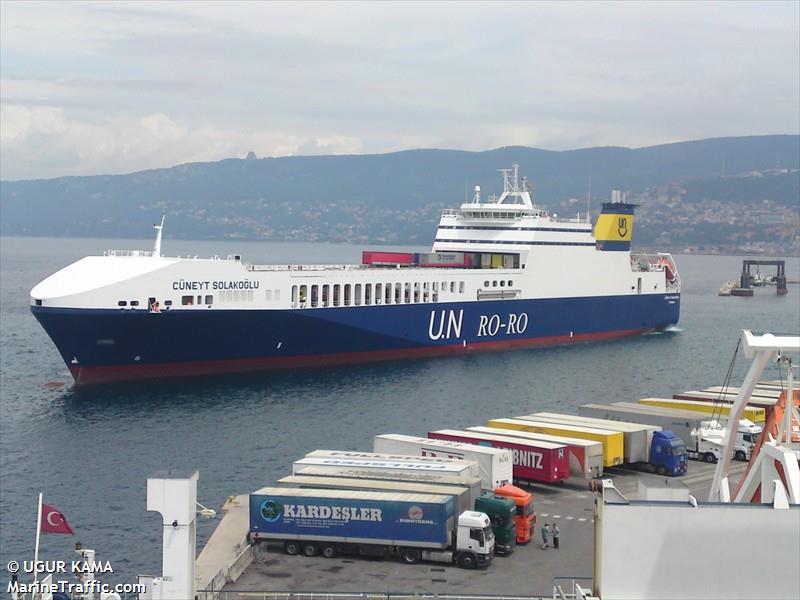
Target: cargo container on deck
[[613, 447], [585, 456], [413, 527], [495, 465], [534, 461]]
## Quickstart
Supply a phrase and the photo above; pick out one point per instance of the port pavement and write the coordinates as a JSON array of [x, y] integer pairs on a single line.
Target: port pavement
[[530, 571]]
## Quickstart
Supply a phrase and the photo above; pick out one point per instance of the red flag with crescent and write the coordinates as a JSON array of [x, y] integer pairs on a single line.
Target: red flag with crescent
[[53, 521]]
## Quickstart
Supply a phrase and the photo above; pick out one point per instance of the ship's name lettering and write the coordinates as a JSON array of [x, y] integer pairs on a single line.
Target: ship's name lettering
[[244, 284], [490, 326]]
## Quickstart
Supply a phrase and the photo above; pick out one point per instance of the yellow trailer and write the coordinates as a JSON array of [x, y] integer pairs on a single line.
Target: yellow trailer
[[612, 441], [712, 409]]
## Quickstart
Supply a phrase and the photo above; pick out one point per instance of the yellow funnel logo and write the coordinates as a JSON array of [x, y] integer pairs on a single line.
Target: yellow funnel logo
[[614, 228]]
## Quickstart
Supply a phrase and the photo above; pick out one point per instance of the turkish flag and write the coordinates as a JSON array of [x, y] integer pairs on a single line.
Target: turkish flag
[[53, 521]]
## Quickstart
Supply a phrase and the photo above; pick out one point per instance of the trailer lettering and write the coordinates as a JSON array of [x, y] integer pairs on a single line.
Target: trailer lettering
[[337, 513], [527, 458]]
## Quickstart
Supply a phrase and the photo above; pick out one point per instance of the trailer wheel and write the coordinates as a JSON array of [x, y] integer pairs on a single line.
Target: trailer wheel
[[292, 548], [410, 556], [740, 455], [709, 457], [310, 549], [328, 550], [467, 561]]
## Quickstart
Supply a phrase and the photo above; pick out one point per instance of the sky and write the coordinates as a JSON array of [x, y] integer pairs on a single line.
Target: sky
[[117, 87]]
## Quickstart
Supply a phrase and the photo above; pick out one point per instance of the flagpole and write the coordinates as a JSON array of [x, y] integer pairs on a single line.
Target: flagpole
[[38, 533]]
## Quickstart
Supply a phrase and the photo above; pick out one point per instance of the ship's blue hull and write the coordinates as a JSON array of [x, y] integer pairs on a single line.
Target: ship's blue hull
[[111, 345]]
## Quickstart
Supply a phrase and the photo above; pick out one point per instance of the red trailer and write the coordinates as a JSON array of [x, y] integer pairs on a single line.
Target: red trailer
[[374, 257], [534, 460]]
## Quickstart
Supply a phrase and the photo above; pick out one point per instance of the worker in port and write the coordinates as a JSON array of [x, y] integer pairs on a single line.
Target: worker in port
[[556, 533], [545, 535]]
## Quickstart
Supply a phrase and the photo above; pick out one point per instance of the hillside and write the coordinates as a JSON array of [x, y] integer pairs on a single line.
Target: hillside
[[388, 197]]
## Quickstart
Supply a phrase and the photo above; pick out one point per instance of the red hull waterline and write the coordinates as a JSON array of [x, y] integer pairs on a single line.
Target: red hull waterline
[[120, 373]]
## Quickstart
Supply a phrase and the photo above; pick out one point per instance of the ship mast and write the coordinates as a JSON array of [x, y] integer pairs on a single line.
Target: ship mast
[[157, 246]]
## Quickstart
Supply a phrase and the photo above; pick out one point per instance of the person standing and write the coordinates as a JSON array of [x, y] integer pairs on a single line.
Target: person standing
[[545, 536], [556, 534]]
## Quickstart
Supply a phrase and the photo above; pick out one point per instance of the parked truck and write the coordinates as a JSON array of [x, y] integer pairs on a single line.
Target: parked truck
[[533, 460], [525, 515], [412, 527], [473, 484], [501, 513], [495, 466], [647, 447], [585, 456], [611, 440]]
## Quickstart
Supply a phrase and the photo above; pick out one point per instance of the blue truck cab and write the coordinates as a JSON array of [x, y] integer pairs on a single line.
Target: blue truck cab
[[668, 454]]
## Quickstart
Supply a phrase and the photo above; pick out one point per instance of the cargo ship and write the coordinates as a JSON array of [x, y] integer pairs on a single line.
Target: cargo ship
[[503, 273]]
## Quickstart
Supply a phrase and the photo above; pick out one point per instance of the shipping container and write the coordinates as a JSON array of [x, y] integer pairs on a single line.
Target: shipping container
[[443, 259], [474, 468], [329, 522], [729, 399], [613, 447], [495, 466], [473, 484], [711, 409], [372, 257], [585, 456], [537, 461], [758, 392]]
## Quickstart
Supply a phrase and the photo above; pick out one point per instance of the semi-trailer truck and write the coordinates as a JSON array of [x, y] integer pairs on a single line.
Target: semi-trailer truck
[[533, 460], [412, 527], [647, 447], [585, 456], [495, 466], [525, 517], [500, 512], [612, 441]]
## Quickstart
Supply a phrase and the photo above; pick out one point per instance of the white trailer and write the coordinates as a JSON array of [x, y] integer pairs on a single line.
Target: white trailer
[[496, 465], [585, 456], [443, 479], [680, 422], [638, 437], [474, 469], [453, 468]]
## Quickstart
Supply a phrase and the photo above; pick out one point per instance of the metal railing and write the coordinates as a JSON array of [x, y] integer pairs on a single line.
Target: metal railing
[[127, 253], [263, 595], [568, 588]]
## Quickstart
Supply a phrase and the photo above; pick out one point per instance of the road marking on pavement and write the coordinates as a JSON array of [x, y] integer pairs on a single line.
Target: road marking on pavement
[[556, 516], [569, 518], [581, 518], [544, 514]]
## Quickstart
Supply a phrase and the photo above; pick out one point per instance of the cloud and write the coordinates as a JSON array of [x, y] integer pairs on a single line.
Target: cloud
[[134, 85]]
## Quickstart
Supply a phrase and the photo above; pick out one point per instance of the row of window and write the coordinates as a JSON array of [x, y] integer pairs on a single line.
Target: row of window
[[349, 294], [502, 283]]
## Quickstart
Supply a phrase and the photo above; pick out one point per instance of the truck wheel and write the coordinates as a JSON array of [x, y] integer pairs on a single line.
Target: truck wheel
[[292, 548], [467, 561], [662, 470], [410, 556], [310, 550], [709, 457], [328, 550], [740, 455]]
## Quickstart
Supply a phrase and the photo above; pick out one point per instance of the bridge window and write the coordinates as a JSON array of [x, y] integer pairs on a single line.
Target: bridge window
[[314, 296], [185, 300], [452, 287], [416, 291], [120, 303], [357, 294], [367, 293], [426, 293], [294, 296], [336, 290], [502, 283], [460, 287], [486, 283], [326, 294], [303, 295], [210, 299], [494, 284], [167, 302], [510, 283], [378, 293], [398, 291], [347, 296]]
